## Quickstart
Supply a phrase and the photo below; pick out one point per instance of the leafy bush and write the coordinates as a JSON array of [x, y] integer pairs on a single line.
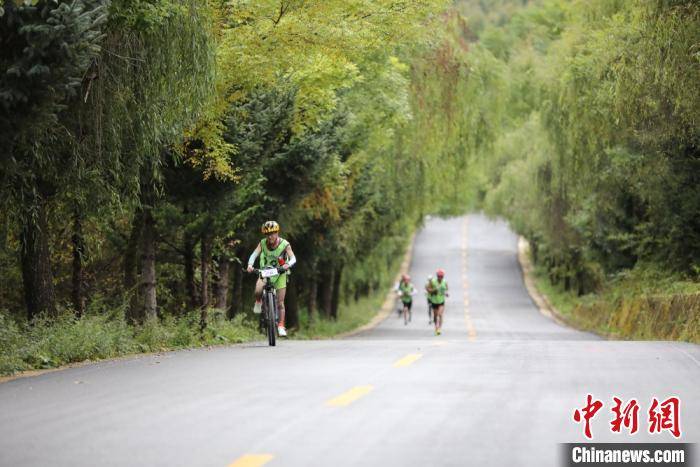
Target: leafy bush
[[12, 344], [232, 331]]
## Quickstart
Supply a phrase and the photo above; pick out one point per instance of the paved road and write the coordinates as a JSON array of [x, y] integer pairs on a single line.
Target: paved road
[[499, 387]]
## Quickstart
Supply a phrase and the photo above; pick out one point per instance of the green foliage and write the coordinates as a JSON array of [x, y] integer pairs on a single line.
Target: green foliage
[[345, 121], [354, 315], [211, 118], [594, 158], [67, 339], [12, 340], [46, 47], [645, 303]]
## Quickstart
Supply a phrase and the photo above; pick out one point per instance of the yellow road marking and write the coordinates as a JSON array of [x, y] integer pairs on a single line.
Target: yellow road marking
[[349, 397], [471, 332], [252, 460], [407, 360]]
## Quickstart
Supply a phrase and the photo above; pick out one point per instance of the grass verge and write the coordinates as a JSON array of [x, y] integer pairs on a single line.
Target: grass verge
[[350, 317], [641, 304], [67, 339]]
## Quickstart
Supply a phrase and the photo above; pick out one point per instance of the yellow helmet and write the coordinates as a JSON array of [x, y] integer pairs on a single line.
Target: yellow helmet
[[270, 227]]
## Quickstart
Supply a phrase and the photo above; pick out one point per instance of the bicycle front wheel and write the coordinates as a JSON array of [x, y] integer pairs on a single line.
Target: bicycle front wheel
[[271, 323]]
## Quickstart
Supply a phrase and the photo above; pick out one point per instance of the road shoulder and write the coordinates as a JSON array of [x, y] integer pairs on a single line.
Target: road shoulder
[[544, 305]]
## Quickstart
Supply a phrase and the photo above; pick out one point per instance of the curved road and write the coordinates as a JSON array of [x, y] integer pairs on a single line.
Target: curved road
[[499, 387]]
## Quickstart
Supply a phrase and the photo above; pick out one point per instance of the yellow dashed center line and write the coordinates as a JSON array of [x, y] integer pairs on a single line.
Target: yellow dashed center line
[[252, 460], [349, 397], [407, 360], [471, 332]]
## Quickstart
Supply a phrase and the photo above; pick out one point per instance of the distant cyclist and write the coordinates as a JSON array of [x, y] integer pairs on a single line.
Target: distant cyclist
[[437, 291], [427, 297], [273, 251], [406, 291]]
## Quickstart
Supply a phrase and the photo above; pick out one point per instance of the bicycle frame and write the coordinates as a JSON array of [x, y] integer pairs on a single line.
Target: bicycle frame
[[270, 312]]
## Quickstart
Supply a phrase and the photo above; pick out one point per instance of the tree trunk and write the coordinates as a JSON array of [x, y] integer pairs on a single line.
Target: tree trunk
[[205, 262], [313, 295], [222, 282], [204, 269], [78, 256], [148, 265], [336, 292], [190, 284], [291, 316], [131, 265], [37, 277], [237, 299], [327, 292]]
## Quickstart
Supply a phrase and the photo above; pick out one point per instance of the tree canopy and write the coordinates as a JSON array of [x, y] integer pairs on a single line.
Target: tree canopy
[[145, 141]]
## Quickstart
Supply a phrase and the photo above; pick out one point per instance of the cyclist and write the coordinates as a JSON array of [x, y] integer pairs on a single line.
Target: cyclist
[[427, 297], [437, 291], [406, 291], [273, 251]]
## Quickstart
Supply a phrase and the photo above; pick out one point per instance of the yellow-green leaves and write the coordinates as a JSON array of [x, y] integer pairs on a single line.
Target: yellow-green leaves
[[319, 46]]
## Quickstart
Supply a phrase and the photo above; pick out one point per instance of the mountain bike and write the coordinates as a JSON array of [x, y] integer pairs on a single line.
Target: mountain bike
[[430, 312], [270, 313]]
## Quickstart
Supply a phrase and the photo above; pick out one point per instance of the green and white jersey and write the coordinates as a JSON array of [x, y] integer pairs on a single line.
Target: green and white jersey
[[406, 291], [270, 257], [439, 291]]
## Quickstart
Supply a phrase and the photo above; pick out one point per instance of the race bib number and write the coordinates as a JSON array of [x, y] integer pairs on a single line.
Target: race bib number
[[269, 273]]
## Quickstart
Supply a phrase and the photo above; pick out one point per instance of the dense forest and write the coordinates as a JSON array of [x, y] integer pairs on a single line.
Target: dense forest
[[594, 157], [144, 142]]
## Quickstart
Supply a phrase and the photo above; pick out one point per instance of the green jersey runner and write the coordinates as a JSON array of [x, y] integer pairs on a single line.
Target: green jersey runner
[[437, 297], [406, 290]]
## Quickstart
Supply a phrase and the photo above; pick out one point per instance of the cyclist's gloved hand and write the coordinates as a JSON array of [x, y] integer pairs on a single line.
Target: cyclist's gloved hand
[[250, 268]]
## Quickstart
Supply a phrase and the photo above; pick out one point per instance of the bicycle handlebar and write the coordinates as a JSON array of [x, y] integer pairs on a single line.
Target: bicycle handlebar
[[280, 269]]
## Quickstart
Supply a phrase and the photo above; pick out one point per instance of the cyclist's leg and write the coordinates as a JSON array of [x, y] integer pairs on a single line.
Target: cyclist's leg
[[280, 304], [259, 284], [258, 295], [280, 284]]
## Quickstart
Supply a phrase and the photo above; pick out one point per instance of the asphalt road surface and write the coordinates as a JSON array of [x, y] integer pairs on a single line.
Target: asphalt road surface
[[498, 387]]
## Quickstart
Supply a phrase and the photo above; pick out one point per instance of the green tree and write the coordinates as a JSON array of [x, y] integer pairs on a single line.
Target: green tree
[[47, 48]]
